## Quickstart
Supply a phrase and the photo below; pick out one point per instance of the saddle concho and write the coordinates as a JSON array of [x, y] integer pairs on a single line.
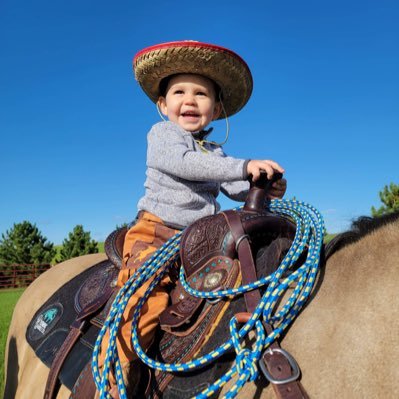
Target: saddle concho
[[184, 316]]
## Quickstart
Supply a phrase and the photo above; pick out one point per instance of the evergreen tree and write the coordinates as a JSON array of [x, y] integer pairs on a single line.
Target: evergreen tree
[[24, 244], [119, 226], [79, 243], [389, 196]]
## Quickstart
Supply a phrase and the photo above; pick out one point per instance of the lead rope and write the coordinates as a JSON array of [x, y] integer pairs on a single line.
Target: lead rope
[[309, 235]]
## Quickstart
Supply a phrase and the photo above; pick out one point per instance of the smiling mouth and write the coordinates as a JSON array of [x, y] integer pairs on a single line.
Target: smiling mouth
[[190, 114]]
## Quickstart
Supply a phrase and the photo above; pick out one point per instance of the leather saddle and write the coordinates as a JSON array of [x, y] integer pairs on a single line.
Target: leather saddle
[[214, 257], [190, 326]]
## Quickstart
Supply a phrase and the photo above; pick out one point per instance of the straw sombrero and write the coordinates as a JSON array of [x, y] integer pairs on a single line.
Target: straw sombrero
[[228, 70]]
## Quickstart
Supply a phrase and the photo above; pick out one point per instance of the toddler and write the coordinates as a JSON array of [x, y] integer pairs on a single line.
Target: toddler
[[192, 83]]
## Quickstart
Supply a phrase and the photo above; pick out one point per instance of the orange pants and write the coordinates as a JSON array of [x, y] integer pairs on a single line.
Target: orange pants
[[141, 241]]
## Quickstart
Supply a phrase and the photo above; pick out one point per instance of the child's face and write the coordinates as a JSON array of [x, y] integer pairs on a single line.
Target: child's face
[[190, 102]]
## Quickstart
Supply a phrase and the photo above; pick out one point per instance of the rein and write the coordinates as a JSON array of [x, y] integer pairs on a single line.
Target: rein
[[309, 236]]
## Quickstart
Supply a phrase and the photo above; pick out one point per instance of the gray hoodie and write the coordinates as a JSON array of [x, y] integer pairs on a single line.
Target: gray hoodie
[[183, 181]]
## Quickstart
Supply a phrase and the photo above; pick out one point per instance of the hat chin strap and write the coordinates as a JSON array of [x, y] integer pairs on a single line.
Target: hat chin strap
[[227, 124], [202, 142], [159, 112]]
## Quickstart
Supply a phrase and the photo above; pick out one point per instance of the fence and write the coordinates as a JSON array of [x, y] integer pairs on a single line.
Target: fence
[[12, 276]]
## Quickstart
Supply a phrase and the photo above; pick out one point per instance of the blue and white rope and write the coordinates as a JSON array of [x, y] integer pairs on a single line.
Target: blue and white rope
[[309, 235]]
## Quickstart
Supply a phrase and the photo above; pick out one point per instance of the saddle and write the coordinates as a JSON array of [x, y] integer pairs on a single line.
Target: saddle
[[216, 252]]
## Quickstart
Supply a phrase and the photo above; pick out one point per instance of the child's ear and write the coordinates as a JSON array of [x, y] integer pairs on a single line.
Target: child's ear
[[217, 110], [162, 105]]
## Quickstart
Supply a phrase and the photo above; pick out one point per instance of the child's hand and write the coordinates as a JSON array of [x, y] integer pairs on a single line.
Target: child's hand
[[255, 167]]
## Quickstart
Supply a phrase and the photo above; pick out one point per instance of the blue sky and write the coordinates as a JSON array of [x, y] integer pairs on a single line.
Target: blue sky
[[73, 121]]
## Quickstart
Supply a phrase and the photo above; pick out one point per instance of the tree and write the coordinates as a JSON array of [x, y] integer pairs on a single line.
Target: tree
[[389, 196], [24, 244], [79, 243], [119, 226]]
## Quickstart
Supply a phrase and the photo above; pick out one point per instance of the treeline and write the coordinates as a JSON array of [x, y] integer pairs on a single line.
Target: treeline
[[25, 244]]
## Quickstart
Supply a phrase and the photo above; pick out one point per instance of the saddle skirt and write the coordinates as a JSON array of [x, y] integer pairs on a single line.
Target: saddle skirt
[[50, 326]]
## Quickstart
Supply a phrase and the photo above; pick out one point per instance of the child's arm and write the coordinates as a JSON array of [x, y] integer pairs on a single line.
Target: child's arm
[[238, 190], [171, 152]]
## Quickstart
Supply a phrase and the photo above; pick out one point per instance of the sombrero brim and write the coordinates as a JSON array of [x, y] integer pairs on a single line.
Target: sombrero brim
[[228, 70]]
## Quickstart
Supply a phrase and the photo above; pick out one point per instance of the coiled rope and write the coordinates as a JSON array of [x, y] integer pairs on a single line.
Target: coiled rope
[[309, 236]]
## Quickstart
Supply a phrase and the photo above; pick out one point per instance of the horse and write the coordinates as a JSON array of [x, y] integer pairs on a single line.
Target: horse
[[345, 340]]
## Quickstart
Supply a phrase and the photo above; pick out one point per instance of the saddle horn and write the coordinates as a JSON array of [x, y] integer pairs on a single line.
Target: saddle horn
[[256, 198]]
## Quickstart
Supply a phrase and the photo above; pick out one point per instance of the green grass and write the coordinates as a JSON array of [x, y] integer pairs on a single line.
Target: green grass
[[8, 299]]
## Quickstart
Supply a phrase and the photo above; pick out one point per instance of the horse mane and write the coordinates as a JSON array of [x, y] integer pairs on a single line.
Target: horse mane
[[360, 228]]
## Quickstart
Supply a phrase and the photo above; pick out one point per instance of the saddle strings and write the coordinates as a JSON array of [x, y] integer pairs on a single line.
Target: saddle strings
[[309, 233]]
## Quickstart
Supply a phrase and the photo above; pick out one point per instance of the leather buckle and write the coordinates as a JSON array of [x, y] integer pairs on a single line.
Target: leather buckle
[[292, 362]]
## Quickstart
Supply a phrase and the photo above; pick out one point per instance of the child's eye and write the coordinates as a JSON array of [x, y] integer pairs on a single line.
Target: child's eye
[[178, 91], [201, 93]]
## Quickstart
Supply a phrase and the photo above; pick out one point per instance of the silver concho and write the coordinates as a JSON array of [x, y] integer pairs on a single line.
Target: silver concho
[[212, 280]]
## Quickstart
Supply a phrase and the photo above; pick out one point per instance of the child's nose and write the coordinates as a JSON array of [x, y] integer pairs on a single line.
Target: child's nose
[[189, 99]]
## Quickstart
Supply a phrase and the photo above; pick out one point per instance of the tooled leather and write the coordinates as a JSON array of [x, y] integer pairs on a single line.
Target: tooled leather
[[175, 349], [99, 319], [113, 246], [210, 236], [181, 349], [178, 293], [178, 349], [230, 281], [103, 279], [168, 322], [180, 313], [201, 241], [212, 276], [218, 264], [187, 306]]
